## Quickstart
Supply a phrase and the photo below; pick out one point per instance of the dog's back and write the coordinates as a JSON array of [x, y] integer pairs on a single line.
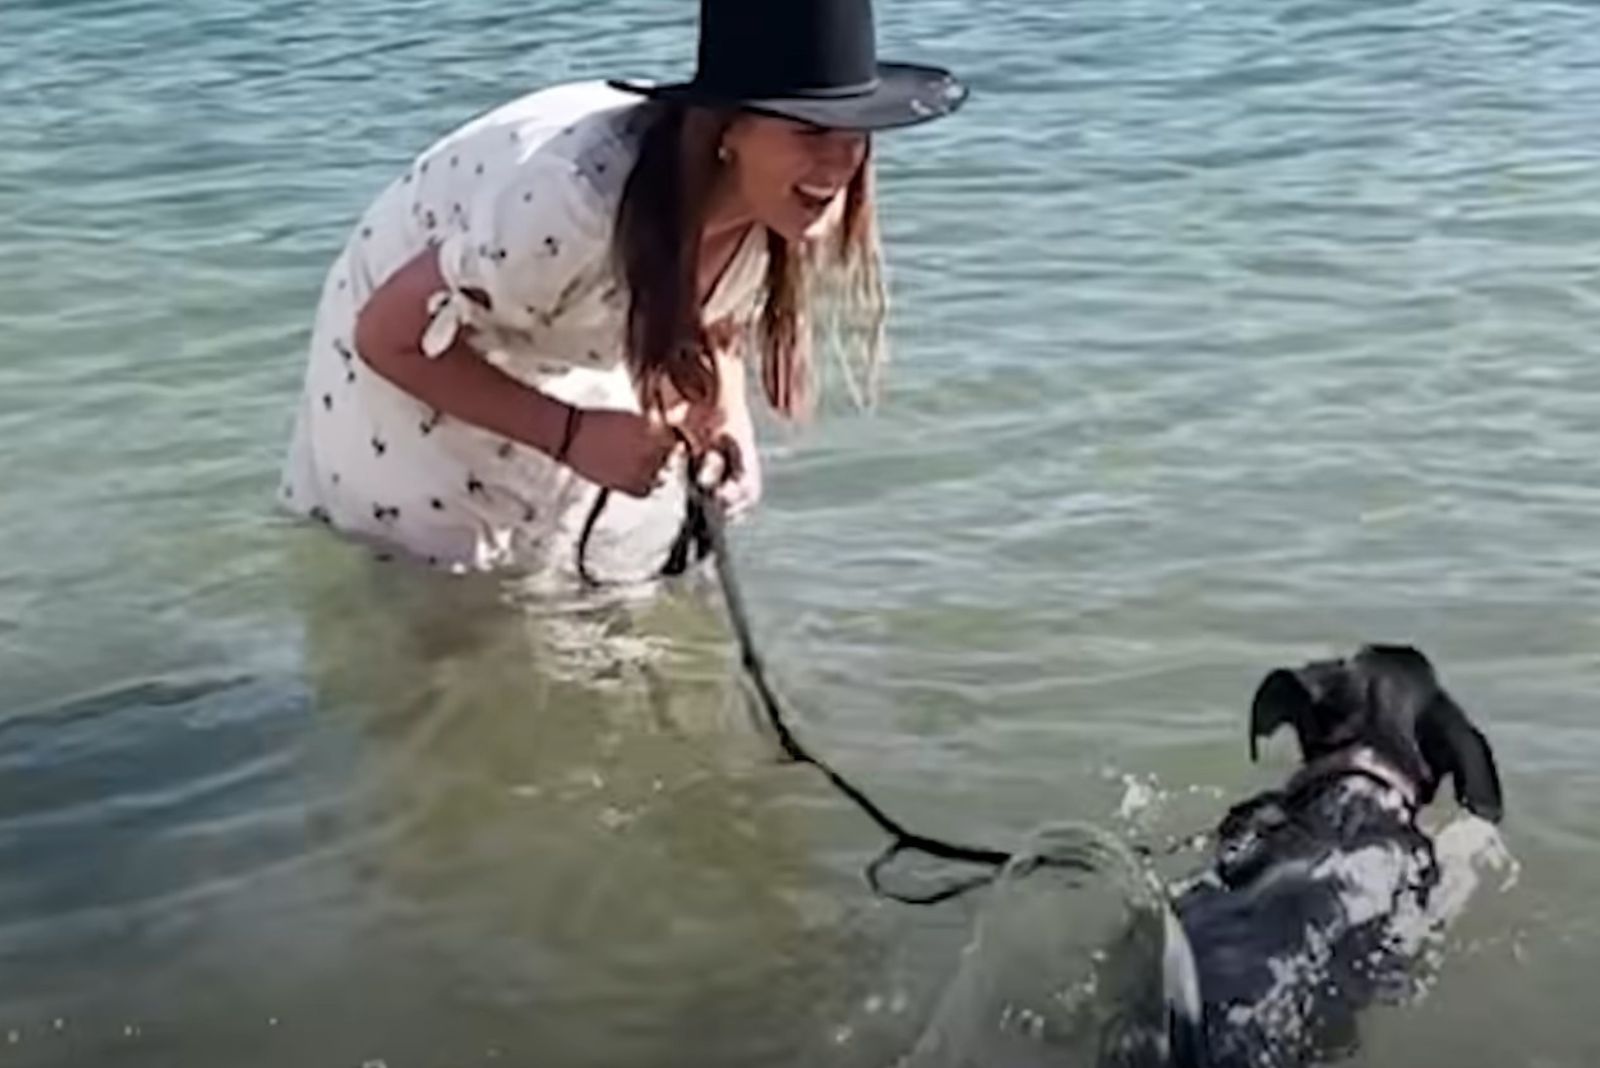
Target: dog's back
[[1303, 919]]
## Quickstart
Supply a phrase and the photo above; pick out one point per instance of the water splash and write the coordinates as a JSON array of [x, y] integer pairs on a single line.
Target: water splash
[[1075, 949], [1468, 848], [1065, 965]]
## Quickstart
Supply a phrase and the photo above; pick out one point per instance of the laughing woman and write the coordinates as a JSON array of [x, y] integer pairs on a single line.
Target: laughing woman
[[550, 299]]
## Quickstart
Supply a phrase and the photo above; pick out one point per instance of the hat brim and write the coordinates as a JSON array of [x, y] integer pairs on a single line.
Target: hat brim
[[906, 95]]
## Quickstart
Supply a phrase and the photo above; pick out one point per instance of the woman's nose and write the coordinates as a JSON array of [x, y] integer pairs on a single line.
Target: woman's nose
[[840, 152]]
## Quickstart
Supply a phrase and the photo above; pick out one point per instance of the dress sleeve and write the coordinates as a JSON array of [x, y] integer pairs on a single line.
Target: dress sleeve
[[532, 244]]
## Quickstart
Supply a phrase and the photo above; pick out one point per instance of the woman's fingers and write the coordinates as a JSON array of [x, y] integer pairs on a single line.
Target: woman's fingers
[[721, 463], [736, 501], [658, 443], [625, 451], [701, 424], [712, 471]]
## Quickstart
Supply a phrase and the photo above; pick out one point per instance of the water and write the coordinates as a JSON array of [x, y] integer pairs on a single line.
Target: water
[[1227, 335]]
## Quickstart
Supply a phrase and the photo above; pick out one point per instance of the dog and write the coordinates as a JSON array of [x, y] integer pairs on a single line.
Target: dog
[[1312, 901]]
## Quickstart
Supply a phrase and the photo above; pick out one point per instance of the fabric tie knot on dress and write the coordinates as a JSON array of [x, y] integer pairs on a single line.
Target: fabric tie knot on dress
[[447, 313]]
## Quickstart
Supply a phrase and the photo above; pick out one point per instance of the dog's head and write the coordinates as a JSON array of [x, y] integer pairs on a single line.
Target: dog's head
[[1386, 697]]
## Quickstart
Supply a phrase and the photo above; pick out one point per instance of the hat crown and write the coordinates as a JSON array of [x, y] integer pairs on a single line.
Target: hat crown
[[785, 48]]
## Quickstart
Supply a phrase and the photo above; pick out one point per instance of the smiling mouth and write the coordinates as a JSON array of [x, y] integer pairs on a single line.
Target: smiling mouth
[[815, 197]]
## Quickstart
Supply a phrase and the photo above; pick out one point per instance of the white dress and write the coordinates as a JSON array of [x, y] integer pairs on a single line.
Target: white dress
[[520, 203]]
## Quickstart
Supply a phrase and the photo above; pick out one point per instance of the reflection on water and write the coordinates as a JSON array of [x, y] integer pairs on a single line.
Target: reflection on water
[[528, 819]]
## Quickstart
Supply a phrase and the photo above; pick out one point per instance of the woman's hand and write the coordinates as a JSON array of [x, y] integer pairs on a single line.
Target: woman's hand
[[627, 452], [725, 437], [733, 475], [623, 451]]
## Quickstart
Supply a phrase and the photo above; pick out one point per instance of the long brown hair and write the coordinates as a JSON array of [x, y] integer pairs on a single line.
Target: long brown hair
[[660, 223]]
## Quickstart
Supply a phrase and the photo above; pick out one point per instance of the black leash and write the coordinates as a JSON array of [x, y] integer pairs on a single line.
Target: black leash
[[691, 545], [703, 534], [599, 506], [901, 839]]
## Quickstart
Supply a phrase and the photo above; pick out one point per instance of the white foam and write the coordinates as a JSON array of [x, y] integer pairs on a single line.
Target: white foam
[[1467, 847], [1137, 797]]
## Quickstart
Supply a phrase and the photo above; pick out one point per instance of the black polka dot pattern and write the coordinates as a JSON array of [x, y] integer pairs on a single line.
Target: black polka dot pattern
[[499, 172], [349, 359]]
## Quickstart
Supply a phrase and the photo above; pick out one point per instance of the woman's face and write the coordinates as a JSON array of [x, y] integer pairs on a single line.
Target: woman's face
[[790, 175]]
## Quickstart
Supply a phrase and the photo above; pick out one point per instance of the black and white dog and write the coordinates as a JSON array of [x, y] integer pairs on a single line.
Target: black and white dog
[[1309, 908], [1319, 898]]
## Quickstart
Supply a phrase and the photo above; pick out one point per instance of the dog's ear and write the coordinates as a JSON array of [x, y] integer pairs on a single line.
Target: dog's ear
[[1281, 698], [1453, 746]]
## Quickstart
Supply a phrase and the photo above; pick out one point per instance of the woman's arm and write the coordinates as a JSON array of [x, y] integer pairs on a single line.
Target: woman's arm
[[458, 382], [621, 450]]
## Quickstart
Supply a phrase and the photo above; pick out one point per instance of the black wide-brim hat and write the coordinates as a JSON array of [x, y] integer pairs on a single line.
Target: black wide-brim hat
[[810, 60]]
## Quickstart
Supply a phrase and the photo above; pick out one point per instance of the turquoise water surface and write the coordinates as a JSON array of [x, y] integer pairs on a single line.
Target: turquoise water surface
[[1227, 335]]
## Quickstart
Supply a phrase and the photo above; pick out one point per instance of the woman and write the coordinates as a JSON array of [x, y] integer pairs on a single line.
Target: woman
[[556, 295]]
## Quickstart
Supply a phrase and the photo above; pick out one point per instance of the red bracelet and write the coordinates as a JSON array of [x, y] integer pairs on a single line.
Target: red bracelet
[[568, 433]]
